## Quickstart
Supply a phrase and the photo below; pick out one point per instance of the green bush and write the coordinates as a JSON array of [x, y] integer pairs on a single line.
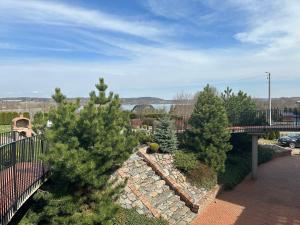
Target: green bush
[[273, 135], [202, 176], [154, 147], [133, 116], [185, 161], [85, 148], [265, 154], [131, 217], [154, 115], [7, 117], [238, 166], [165, 136], [208, 135], [144, 137], [241, 142], [147, 115], [26, 115]]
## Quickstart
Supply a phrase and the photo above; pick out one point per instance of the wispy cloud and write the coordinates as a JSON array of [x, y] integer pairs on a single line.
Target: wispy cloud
[[144, 55], [192, 11], [46, 12], [174, 9], [270, 23]]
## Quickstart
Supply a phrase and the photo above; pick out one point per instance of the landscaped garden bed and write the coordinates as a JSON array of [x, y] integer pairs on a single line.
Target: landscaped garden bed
[[131, 217], [165, 165]]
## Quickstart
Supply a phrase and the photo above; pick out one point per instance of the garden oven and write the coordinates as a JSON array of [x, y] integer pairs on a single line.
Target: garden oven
[[23, 126]]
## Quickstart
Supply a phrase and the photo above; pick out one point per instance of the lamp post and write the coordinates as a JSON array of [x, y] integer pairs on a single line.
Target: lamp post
[[270, 100]]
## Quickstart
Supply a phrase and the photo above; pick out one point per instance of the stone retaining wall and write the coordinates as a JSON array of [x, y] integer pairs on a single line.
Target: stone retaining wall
[[149, 194], [195, 198]]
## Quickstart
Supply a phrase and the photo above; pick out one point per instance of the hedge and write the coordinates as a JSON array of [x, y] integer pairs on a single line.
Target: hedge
[[7, 117]]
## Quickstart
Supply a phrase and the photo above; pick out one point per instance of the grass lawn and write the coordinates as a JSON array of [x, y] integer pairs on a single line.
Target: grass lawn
[[4, 128]]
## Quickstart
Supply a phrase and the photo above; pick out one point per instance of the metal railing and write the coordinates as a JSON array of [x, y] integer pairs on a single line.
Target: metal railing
[[288, 116], [287, 119], [22, 172], [8, 137]]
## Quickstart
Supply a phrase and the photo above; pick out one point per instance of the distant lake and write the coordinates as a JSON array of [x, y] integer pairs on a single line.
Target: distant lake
[[156, 106]]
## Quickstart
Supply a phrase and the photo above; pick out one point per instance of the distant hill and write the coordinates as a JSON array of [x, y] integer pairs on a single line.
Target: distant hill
[[129, 101], [33, 105], [145, 100], [15, 103], [291, 102]]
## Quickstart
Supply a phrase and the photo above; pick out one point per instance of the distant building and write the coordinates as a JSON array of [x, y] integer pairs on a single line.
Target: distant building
[[139, 109], [136, 123], [184, 110], [181, 114]]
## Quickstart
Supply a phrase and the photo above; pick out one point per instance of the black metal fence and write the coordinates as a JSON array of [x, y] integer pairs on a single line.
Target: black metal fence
[[8, 137], [22, 171], [287, 116], [281, 119]]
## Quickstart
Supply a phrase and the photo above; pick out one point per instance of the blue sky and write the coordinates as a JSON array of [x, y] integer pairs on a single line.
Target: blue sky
[[149, 47]]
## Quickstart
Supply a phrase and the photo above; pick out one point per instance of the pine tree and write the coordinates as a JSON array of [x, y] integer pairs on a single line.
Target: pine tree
[[208, 135], [240, 108], [85, 148], [165, 135]]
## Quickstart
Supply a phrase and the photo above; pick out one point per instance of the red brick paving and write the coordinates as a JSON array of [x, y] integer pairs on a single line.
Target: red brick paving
[[26, 175], [273, 199]]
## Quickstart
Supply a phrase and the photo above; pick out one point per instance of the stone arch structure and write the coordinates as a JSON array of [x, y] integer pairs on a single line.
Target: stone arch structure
[[23, 126]]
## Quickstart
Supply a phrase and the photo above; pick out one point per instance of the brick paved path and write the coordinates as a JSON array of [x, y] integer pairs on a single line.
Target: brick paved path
[[27, 174], [273, 199]]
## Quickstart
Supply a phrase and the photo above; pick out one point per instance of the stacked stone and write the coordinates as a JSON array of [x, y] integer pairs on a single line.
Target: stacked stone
[[165, 161], [155, 190], [129, 200]]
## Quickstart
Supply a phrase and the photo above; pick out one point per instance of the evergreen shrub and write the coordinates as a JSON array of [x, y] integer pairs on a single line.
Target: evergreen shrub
[[202, 176], [85, 149], [185, 161], [7, 117], [154, 147], [144, 137], [273, 135], [165, 136], [208, 135]]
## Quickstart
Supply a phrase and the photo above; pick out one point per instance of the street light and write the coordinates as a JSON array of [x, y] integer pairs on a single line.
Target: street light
[[270, 100]]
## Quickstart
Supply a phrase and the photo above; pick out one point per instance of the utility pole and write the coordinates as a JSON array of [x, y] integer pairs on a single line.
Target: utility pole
[[270, 100]]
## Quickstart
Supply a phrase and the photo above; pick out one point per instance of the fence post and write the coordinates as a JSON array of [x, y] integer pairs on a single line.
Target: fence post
[[32, 148], [14, 161], [42, 152]]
